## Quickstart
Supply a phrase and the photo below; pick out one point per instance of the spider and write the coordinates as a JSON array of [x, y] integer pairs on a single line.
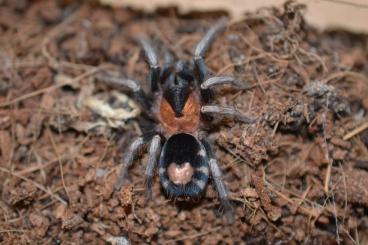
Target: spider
[[178, 147]]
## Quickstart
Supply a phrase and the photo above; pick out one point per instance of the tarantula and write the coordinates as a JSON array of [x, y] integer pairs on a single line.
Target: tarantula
[[178, 147]]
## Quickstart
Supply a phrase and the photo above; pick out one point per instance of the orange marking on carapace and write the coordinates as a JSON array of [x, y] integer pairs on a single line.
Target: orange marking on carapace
[[188, 123]]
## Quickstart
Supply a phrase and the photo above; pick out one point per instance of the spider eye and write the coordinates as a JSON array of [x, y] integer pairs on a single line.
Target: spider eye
[[183, 166], [184, 71]]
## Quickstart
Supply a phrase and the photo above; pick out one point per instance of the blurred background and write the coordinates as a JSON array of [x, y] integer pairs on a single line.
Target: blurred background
[[324, 14]]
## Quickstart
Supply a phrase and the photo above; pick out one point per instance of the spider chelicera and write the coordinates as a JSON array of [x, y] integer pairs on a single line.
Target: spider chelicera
[[177, 102]]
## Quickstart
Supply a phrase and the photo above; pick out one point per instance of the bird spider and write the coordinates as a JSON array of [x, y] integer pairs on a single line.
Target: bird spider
[[177, 102]]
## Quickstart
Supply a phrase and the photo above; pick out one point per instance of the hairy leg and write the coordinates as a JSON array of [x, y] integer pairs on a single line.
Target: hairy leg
[[203, 46], [219, 183], [167, 67], [226, 112], [221, 80], [127, 161], [154, 152], [154, 75], [139, 95]]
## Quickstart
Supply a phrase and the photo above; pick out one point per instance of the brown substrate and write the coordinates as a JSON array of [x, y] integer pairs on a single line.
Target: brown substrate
[[299, 174]]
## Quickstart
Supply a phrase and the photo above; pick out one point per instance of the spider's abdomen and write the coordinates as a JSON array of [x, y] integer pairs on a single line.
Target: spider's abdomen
[[189, 120], [183, 166]]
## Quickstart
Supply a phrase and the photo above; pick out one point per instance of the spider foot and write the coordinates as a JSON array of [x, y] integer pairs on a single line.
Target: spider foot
[[120, 181], [229, 211]]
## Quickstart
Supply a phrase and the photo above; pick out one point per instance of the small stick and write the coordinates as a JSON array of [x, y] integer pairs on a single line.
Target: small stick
[[356, 131], [38, 167], [39, 186], [328, 176], [12, 230], [59, 161], [189, 237]]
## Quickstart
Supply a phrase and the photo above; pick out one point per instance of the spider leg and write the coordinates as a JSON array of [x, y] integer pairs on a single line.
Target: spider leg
[[154, 152], [154, 74], [226, 111], [167, 66], [133, 86], [203, 46], [129, 158], [221, 189], [221, 80]]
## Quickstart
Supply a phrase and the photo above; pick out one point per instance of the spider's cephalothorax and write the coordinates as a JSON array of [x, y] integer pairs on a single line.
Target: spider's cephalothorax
[[178, 147], [178, 106]]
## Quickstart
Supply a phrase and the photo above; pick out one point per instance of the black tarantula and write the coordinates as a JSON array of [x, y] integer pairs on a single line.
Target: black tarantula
[[178, 147]]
